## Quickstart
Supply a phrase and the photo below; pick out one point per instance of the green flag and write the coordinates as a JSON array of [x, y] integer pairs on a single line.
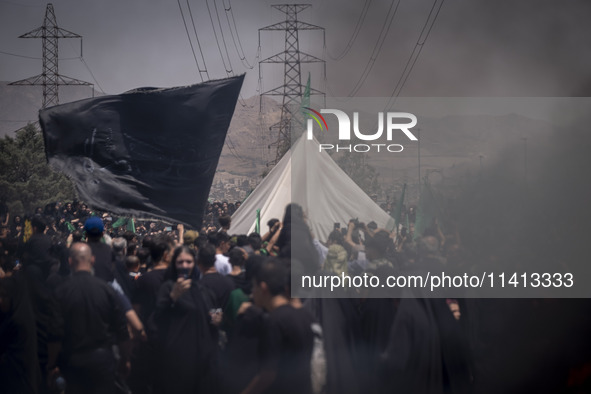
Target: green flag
[[306, 96], [70, 227], [257, 223], [304, 104], [131, 225], [119, 222]]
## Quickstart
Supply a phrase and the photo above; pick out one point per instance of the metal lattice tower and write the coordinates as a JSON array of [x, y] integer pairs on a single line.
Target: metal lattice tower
[[291, 58], [50, 78]]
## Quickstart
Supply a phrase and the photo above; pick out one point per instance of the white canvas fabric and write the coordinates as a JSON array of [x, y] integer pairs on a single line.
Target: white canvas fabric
[[313, 180]]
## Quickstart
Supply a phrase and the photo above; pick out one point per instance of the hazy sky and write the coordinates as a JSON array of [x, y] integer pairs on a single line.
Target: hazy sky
[[476, 47]]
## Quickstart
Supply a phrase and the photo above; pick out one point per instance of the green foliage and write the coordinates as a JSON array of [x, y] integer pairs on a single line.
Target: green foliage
[[26, 180], [363, 174]]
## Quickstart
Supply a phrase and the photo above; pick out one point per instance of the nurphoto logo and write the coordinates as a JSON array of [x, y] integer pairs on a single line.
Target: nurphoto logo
[[395, 122]]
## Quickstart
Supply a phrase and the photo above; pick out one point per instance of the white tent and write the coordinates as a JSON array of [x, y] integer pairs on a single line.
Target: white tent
[[312, 179]]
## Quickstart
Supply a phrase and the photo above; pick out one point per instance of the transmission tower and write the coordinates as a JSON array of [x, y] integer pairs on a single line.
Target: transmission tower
[[291, 58], [50, 78]]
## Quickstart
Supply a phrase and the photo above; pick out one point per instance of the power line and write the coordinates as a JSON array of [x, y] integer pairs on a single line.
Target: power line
[[228, 142], [91, 74], [232, 148], [67, 58], [215, 5], [23, 56], [198, 42], [242, 56], [377, 47], [355, 33], [81, 58], [229, 71], [240, 98], [189, 37], [416, 52], [33, 57]]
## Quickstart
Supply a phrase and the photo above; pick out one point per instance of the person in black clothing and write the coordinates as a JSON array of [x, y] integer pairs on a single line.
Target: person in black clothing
[[185, 342], [225, 222], [255, 243], [425, 339], [119, 269], [37, 266], [147, 286], [219, 284], [19, 365], [35, 251], [144, 302], [16, 226], [241, 353], [287, 340], [295, 241], [93, 323], [221, 288], [238, 257], [426, 352]]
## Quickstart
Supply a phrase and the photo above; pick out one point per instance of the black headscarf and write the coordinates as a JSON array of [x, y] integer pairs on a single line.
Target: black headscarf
[[296, 239]]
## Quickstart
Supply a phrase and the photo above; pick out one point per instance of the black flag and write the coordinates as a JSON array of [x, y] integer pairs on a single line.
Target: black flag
[[148, 152]]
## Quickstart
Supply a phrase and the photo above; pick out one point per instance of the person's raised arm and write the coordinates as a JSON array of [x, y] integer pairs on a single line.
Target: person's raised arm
[[348, 236], [275, 237], [181, 228], [272, 231]]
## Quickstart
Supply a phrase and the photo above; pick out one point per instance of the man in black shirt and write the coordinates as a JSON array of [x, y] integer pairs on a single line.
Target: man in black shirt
[[35, 253], [287, 339], [148, 284], [145, 362], [220, 285], [93, 323], [238, 257]]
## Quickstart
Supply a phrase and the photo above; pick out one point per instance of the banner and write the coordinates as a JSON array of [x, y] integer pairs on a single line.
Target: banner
[[148, 152]]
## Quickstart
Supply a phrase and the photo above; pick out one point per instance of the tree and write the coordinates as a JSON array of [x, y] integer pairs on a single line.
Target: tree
[[26, 180]]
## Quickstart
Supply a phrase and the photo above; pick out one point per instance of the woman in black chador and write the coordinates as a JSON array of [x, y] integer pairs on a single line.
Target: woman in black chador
[[186, 345]]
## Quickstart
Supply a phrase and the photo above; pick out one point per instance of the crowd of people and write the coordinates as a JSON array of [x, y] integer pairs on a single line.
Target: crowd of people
[[63, 218], [94, 308]]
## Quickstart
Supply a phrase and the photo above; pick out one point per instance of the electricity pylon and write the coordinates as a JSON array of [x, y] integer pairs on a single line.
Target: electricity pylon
[[50, 78], [291, 58]]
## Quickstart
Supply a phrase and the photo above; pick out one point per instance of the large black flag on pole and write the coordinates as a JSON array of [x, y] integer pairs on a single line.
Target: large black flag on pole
[[148, 152]]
